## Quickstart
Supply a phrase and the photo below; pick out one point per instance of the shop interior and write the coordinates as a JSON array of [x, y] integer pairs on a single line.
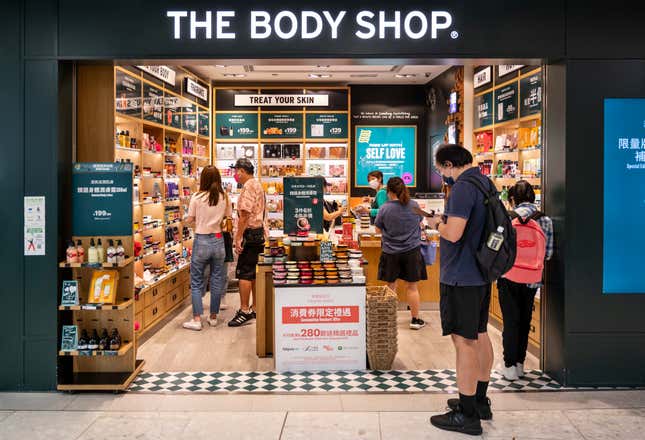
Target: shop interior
[[170, 121]]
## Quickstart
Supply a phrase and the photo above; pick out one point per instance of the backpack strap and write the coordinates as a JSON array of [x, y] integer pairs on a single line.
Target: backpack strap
[[477, 184], [537, 215]]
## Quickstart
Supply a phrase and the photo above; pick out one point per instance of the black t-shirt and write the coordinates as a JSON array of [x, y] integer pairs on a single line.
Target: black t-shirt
[[331, 207]]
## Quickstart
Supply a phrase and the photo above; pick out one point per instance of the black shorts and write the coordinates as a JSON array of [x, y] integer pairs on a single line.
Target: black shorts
[[464, 310], [247, 262], [408, 266]]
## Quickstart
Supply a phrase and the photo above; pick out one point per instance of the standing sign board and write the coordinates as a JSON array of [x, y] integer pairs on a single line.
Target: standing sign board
[[320, 328], [102, 199], [303, 204]]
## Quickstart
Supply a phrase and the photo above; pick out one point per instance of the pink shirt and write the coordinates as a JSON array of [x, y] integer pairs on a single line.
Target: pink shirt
[[252, 201], [208, 218]]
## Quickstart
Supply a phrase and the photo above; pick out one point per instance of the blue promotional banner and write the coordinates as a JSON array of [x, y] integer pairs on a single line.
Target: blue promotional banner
[[102, 199], [390, 149], [624, 196]]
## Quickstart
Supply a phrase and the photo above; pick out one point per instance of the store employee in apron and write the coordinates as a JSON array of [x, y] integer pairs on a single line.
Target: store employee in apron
[[375, 181]]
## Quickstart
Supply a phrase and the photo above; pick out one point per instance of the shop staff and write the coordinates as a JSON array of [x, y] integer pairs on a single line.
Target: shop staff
[[465, 294], [401, 257], [516, 295], [206, 210], [249, 237], [375, 181]]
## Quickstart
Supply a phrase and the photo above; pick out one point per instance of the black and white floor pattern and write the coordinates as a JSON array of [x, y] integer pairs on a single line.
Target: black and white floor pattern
[[428, 381]]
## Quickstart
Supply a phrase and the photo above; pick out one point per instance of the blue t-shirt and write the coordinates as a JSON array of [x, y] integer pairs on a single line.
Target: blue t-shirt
[[400, 226], [458, 262]]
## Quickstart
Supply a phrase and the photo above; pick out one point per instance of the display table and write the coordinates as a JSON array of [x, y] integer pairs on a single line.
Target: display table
[[264, 297]]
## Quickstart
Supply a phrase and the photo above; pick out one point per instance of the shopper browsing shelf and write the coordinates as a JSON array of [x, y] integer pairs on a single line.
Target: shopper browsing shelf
[[208, 207], [399, 222], [249, 237], [465, 294], [518, 287]]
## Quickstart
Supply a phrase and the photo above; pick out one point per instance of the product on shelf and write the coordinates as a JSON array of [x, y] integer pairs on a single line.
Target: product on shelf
[[291, 150], [315, 169], [272, 151], [80, 252], [337, 152], [484, 141], [225, 152], [317, 152], [486, 167], [337, 170], [103, 287]]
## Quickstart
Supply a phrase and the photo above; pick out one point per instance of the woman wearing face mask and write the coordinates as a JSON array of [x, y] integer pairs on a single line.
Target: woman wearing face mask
[[375, 181], [399, 222]]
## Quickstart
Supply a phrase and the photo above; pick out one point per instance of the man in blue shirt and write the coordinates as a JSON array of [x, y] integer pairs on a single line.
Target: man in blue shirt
[[465, 295]]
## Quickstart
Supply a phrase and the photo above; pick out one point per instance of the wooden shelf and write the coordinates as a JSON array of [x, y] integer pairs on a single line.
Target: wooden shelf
[[104, 381], [501, 153], [482, 129], [514, 123], [535, 117], [65, 265], [92, 307], [125, 348]]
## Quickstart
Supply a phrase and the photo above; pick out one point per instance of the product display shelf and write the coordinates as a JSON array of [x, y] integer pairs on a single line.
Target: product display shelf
[[94, 369]]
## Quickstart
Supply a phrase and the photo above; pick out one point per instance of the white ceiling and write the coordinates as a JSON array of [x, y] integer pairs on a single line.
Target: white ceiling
[[337, 74]]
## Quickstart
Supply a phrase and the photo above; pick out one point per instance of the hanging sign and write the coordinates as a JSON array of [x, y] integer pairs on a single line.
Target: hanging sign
[[303, 205], [483, 77], [326, 125], [484, 110], [281, 125], [506, 103], [236, 125], [34, 225], [152, 104], [321, 328], [505, 69], [128, 94], [390, 149], [531, 94], [281, 100], [196, 89], [164, 73], [102, 199]]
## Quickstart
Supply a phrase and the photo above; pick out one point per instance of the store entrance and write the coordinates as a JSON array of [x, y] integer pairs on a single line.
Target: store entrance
[[206, 115]]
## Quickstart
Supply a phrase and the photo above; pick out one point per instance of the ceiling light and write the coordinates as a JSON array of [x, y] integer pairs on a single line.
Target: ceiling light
[[220, 66], [323, 66], [405, 75], [234, 75], [319, 75]]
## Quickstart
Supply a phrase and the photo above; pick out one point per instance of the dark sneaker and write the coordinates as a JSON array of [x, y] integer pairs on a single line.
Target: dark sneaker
[[483, 408], [417, 323], [253, 314], [456, 421], [240, 319]]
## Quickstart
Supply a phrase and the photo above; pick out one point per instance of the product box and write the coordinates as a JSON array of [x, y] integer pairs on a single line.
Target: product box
[[291, 150], [272, 151], [225, 152], [317, 152], [103, 287], [69, 338], [316, 169], [69, 295], [337, 170]]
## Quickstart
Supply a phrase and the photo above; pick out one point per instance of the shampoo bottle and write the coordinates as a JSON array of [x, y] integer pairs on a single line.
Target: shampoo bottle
[[80, 252], [111, 253], [100, 251], [120, 253], [71, 255], [92, 253]]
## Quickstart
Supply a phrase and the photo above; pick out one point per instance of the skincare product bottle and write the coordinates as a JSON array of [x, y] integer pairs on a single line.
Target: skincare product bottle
[[93, 343], [127, 138], [100, 252], [104, 342], [120, 252], [111, 252], [80, 251], [115, 340], [92, 254], [71, 255], [83, 340]]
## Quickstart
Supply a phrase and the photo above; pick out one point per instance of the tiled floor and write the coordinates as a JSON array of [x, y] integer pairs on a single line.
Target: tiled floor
[[588, 415]]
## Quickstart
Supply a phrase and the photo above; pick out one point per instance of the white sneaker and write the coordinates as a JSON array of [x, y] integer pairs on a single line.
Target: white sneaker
[[212, 322], [509, 373], [192, 325], [520, 370]]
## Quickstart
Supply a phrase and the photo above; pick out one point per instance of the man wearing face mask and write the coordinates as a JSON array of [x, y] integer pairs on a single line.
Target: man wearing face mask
[[249, 237], [465, 295]]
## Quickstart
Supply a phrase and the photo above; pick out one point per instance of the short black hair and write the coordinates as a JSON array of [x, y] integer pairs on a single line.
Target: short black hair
[[457, 155], [521, 192], [376, 173]]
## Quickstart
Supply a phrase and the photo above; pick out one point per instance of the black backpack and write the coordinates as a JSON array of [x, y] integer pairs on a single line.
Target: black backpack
[[493, 264]]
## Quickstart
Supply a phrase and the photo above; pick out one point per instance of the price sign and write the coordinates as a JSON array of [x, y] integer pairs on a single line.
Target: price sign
[[326, 125], [236, 125], [281, 125]]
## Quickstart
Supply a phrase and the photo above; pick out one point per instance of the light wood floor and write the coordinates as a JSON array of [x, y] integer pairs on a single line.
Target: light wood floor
[[224, 348]]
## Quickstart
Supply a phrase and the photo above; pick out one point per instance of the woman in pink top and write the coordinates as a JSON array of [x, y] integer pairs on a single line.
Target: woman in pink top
[[206, 210]]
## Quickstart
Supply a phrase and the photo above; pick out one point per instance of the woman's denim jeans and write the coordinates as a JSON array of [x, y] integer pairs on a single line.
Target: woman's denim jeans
[[208, 250]]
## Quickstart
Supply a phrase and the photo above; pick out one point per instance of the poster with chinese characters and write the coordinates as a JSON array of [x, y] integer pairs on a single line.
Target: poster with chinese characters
[[34, 225], [624, 196], [531, 94], [320, 328], [303, 205], [102, 199]]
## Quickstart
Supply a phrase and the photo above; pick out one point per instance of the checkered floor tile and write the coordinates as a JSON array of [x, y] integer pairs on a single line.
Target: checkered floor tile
[[433, 381]]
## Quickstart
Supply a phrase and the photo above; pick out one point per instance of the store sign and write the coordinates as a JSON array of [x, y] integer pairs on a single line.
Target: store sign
[[34, 225], [624, 196], [197, 90], [505, 69], [101, 199], [320, 328], [531, 94], [236, 125], [483, 77], [326, 125], [506, 103], [164, 73], [390, 149], [281, 125], [311, 25], [484, 110], [128, 94], [281, 100], [303, 205]]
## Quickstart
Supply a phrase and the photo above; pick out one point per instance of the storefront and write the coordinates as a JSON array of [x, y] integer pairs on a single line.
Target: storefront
[[589, 337]]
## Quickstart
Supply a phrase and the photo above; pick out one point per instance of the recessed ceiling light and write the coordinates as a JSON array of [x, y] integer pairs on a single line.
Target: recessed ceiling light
[[319, 75], [405, 75], [234, 75], [220, 66]]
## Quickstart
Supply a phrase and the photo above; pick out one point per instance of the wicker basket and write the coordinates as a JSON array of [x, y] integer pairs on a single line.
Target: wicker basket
[[381, 327]]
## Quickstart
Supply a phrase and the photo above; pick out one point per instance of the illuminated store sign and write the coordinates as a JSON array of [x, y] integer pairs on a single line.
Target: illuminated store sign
[[309, 25]]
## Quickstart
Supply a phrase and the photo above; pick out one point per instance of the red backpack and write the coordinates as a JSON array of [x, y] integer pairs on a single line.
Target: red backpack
[[531, 250]]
